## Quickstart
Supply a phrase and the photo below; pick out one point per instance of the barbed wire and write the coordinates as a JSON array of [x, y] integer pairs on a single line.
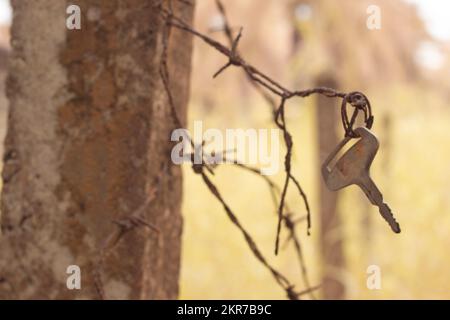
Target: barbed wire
[[123, 226], [290, 223], [266, 86]]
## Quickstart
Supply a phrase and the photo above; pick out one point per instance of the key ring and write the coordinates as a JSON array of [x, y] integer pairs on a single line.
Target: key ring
[[360, 103]]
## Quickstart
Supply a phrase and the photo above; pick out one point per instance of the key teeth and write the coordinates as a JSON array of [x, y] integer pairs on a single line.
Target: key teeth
[[395, 226]]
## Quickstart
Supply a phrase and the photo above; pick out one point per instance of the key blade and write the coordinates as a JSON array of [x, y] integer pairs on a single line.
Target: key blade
[[376, 198], [370, 189]]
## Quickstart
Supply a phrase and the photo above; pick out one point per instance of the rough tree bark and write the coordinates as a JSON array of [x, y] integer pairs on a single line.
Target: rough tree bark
[[88, 138], [4, 53], [330, 234]]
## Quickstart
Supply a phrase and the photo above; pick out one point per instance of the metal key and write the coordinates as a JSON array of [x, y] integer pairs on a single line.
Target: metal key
[[353, 168]]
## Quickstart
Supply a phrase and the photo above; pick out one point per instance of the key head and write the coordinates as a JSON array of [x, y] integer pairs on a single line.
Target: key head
[[354, 164]]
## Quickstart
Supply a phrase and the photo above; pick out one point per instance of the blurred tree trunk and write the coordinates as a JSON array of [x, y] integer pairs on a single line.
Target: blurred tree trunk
[[331, 234], [88, 138]]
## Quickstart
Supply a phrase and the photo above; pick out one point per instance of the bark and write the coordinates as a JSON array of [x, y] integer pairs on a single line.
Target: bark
[[4, 52], [331, 240], [88, 139]]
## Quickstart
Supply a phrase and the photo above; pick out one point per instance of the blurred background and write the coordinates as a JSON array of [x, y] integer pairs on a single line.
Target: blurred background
[[403, 67]]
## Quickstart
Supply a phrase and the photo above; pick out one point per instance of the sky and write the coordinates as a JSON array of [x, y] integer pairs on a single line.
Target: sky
[[436, 15], [5, 12]]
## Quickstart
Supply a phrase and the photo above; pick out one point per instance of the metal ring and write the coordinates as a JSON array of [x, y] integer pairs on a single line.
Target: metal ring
[[360, 103]]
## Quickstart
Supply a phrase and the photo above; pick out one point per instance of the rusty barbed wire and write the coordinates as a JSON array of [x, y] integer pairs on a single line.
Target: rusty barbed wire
[[227, 29], [123, 226], [266, 86], [289, 222]]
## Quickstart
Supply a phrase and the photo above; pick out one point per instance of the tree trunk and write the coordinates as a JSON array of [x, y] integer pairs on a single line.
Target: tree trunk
[[4, 53], [88, 141], [331, 234]]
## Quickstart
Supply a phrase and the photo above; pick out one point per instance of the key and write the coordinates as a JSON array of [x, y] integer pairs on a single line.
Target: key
[[354, 168]]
